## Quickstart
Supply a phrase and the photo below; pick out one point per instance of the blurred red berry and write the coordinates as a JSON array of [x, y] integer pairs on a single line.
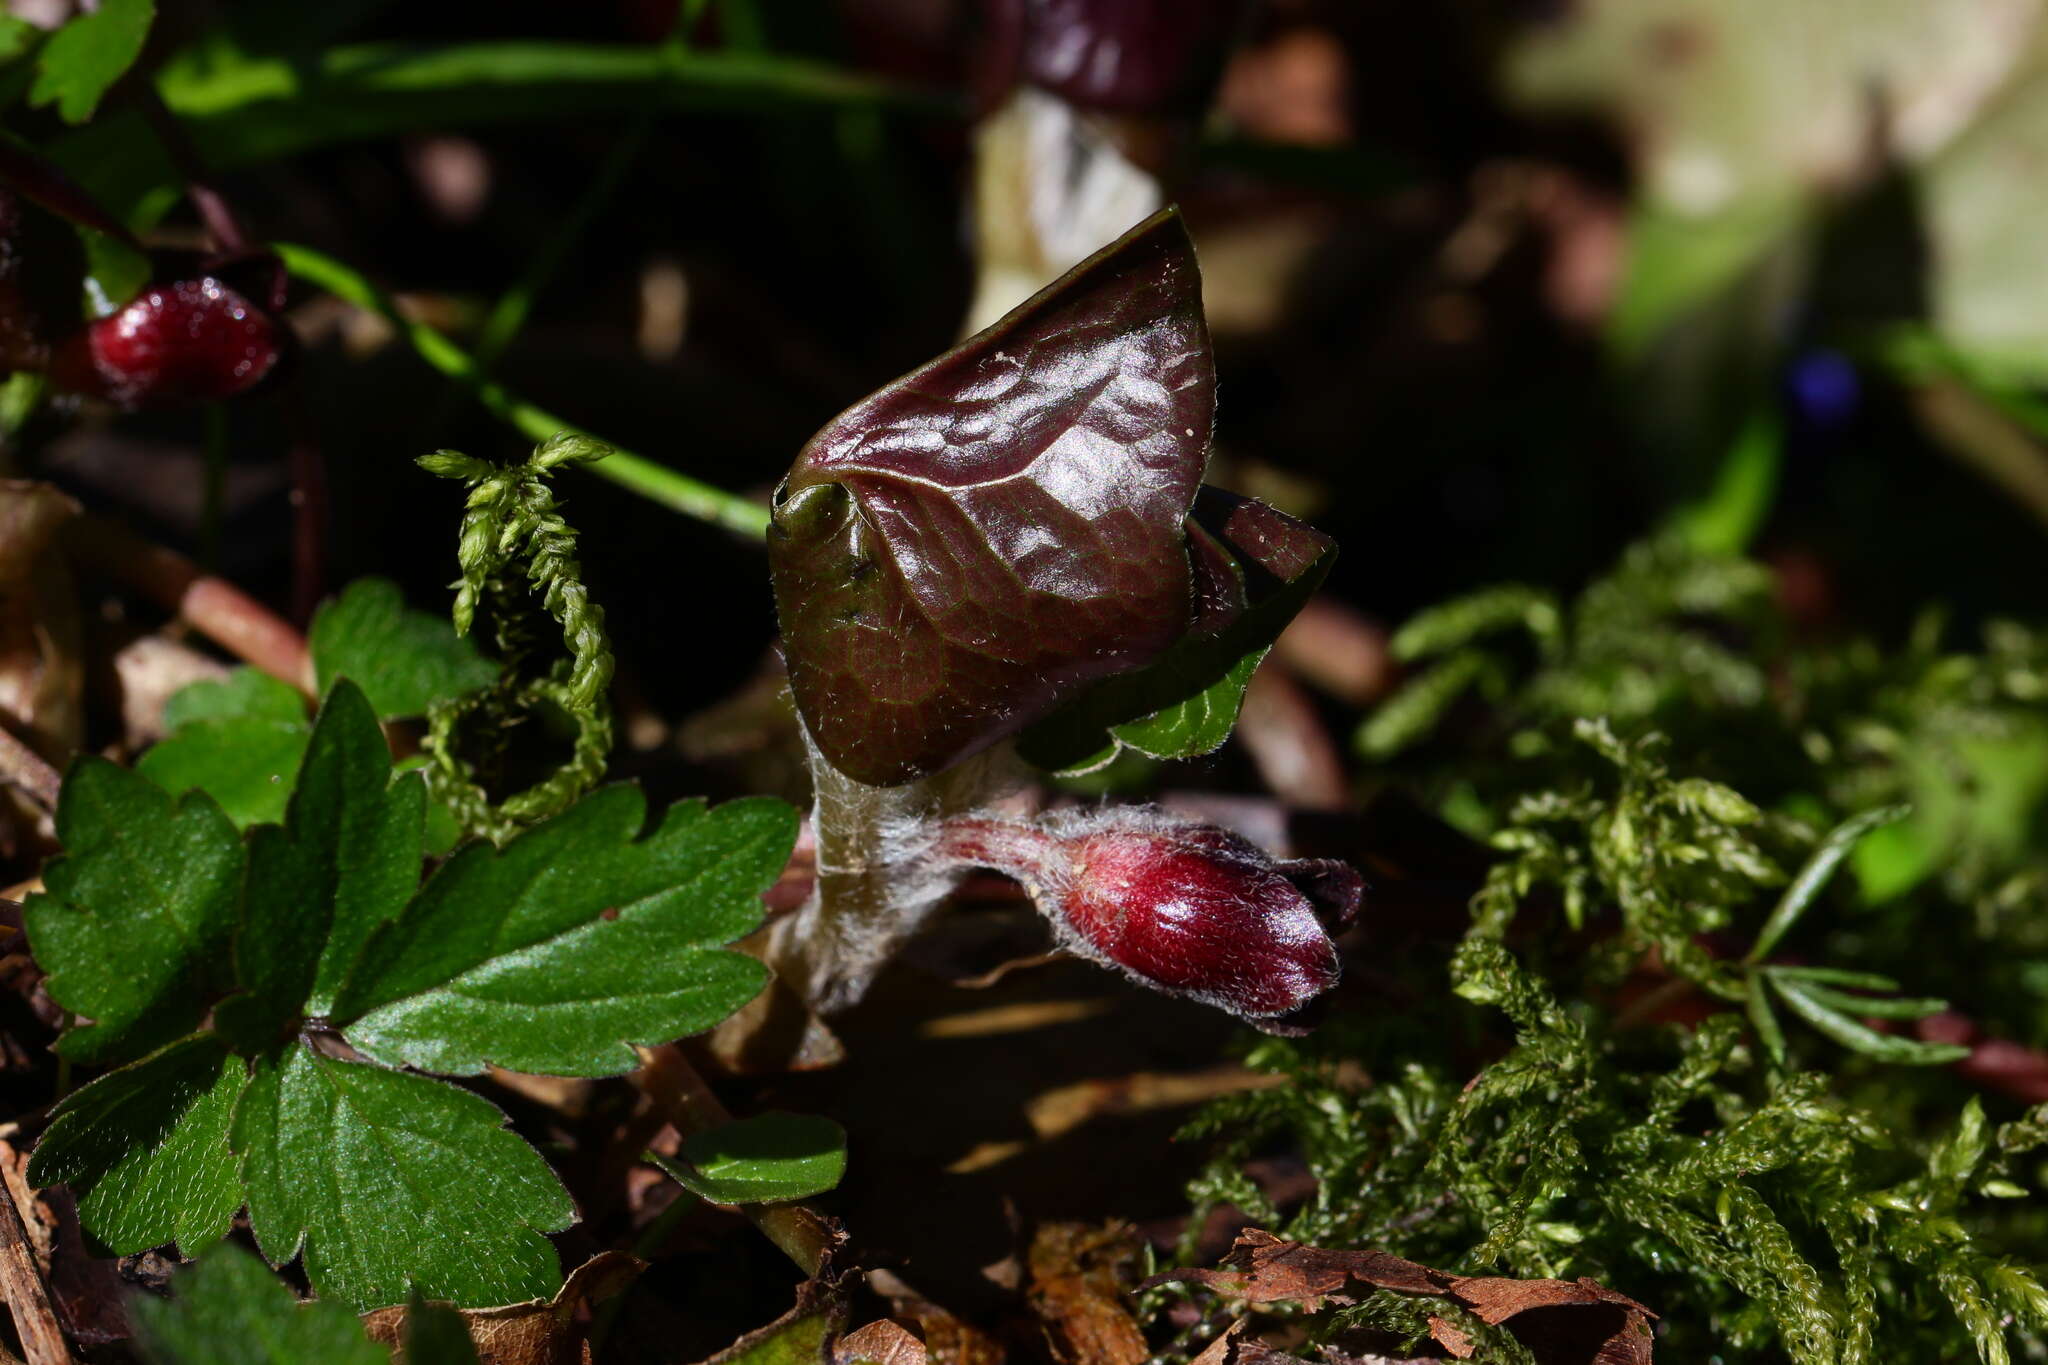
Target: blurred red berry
[[194, 340]]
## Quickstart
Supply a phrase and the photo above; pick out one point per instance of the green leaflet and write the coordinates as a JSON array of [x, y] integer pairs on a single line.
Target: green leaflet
[[559, 951], [229, 1310], [245, 763], [86, 56], [145, 1149], [145, 882], [404, 660], [762, 1159], [392, 1183], [345, 862]]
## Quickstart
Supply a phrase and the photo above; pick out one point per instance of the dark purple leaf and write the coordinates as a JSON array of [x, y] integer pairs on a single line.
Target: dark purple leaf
[[977, 543], [1128, 56], [1254, 567]]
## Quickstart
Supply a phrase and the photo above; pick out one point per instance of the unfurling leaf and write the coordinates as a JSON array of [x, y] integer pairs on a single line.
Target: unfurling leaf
[[982, 540], [762, 1159]]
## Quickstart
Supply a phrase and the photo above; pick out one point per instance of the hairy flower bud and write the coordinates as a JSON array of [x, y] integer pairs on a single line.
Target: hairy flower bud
[[1183, 908]]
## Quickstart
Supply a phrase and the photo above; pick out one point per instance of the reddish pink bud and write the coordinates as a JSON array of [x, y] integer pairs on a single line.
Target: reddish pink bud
[[195, 340], [1183, 908]]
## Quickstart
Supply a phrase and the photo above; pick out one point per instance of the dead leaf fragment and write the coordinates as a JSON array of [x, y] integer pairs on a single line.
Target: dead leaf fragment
[[538, 1332], [1077, 1279], [1562, 1322], [880, 1343]]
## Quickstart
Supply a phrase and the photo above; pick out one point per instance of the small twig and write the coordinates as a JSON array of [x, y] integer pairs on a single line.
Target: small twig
[[28, 1298], [217, 608], [667, 1078], [23, 767]]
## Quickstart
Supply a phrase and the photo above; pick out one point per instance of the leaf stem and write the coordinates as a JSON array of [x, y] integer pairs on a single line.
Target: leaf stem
[[636, 473]]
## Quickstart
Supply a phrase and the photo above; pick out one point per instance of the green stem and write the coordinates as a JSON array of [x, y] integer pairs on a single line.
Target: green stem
[[636, 473]]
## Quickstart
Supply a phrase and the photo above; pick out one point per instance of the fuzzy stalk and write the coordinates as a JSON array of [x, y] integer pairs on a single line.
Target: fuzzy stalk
[[882, 871]]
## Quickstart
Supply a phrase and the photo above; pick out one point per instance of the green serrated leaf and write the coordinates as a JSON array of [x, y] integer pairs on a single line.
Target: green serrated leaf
[[1860, 1037], [557, 952], [404, 660], [762, 1159], [390, 1183], [134, 922], [1186, 702], [345, 862], [246, 764], [230, 1310], [244, 694], [85, 57], [1198, 725], [145, 1149]]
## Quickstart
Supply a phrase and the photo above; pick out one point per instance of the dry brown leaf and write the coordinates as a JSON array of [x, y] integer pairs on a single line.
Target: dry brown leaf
[[880, 1343], [1077, 1293], [948, 1338], [539, 1332], [1562, 1322]]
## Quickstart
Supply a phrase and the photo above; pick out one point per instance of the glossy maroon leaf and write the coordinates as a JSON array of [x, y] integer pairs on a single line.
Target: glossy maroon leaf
[[1127, 56], [976, 543]]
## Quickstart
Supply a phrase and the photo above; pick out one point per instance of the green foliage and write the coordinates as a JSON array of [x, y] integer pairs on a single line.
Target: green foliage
[[392, 1183], [241, 739], [1786, 1175], [762, 1159], [404, 660], [230, 1310], [515, 547], [559, 950], [86, 56], [147, 882]]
